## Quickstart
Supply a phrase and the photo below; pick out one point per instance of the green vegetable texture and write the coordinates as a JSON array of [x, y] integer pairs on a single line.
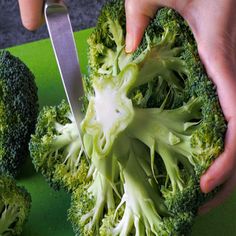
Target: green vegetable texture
[[18, 112], [152, 127], [15, 205]]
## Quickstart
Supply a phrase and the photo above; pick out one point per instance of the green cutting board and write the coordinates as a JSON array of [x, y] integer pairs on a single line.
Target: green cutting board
[[48, 215]]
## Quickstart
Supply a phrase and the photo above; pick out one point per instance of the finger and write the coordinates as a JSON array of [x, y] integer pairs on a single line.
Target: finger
[[31, 13], [224, 165], [138, 16], [223, 74], [224, 193]]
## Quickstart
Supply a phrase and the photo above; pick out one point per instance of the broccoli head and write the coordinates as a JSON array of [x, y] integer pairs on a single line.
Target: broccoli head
[[18, 111], [153, 125], [15, 205]]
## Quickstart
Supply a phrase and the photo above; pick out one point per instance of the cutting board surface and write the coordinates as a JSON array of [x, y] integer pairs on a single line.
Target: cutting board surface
[[48, 215]]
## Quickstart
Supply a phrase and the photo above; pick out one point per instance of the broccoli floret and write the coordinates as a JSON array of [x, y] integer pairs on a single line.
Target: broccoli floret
[[106, 43], [18, 111], [56, 148], [15, 205], [153, 125]]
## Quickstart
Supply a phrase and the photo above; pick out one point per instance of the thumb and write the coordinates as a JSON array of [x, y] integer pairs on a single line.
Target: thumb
[[31, 13], [138, 15]]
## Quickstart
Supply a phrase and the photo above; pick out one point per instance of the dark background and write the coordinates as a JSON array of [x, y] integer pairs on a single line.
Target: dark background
[[83, 15]]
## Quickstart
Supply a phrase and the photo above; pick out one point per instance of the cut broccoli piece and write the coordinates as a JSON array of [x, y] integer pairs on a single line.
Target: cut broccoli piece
[[56, 148], [153, 125], [18, 111], [15, 205]]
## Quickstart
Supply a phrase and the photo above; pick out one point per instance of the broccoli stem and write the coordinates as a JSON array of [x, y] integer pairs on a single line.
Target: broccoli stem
[[8, 217], [68, 140], [161, 58], [171, 163], [102, 192], [143, 204], [67, 135], [124, 227], [169, 133]]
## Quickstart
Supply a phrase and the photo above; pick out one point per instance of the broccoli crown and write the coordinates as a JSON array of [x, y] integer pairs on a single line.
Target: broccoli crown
[[15, 205], [18, 111], [153, 125]]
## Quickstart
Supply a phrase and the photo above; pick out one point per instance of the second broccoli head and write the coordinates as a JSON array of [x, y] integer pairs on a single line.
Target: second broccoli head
[[153, 125], [18, 112]]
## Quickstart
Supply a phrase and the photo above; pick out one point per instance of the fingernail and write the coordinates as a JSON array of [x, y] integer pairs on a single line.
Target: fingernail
[[129, 43]]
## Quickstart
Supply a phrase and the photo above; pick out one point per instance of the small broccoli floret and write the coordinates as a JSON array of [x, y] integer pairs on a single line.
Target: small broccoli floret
[[18, 111], [15, 205], [56, 148], [107, 42], [179, 224]]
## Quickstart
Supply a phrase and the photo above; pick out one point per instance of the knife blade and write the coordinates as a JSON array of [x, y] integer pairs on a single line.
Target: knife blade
[[63, 43]]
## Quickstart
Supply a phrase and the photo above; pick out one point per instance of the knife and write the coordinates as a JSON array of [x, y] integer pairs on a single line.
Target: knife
[[63, 43]]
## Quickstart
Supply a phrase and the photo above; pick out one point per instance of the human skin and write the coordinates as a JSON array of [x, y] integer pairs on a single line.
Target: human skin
[[213, 23], [31, 13]]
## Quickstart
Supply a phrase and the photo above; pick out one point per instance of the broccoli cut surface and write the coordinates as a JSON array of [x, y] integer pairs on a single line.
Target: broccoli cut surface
[[153, 125]]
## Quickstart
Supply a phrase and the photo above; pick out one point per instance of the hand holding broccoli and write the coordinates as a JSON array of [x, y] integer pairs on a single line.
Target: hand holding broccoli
[[153, 125], [215, 32]]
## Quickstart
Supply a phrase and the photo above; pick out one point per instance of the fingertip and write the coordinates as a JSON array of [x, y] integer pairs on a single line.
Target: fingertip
[[32, 25], [129, 44], [225, 191], [207, 183], [31, 13], [135, 30], [134, 37], [218, 172], [137, 18]]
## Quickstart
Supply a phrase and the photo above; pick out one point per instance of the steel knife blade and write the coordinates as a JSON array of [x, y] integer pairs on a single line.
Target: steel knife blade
[[63, 43]]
